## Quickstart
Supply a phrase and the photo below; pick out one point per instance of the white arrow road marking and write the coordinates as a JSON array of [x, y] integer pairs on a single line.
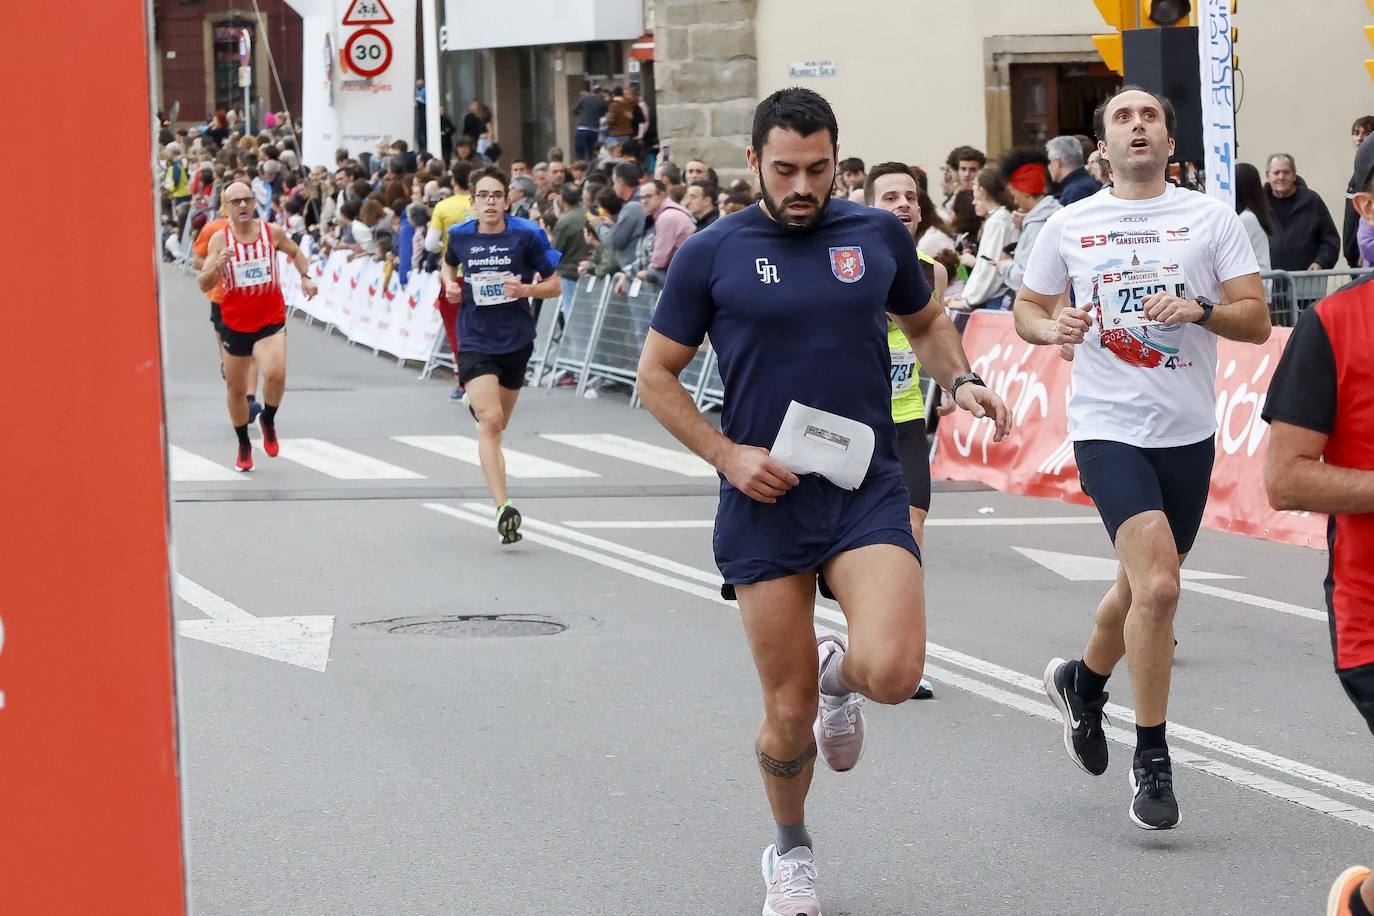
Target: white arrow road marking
[[832, 621], [1077, 568], [301, 641]]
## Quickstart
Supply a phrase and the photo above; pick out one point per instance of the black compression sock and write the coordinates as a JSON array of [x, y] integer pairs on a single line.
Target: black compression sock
[[1149, 738], [1357, 907], [1087, 683], [242, 432], [269, 413]]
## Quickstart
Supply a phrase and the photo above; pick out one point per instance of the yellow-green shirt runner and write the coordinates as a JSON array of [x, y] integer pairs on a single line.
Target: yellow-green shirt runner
[[907, 401]]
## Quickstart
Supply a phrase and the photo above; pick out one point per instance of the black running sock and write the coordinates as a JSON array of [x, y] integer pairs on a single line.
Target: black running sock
[[252, 399], [1087, 683], [1357, 907], [269, 413], [790, 836], [242, 433], [1149, 738]]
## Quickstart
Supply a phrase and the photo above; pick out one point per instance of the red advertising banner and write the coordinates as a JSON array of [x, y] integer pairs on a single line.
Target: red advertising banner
[[89, 800], [1037, 460]]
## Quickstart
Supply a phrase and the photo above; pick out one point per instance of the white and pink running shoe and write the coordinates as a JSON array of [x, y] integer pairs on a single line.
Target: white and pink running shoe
[[839, 726]]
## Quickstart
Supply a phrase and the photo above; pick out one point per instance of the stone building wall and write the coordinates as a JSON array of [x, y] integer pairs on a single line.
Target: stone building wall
[[706, 67]]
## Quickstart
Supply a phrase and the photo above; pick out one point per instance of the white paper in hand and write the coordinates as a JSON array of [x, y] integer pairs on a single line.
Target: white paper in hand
[[812, 441]]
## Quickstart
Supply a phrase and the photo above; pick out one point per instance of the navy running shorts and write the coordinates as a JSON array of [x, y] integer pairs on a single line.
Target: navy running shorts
[[812, 522], [913, 451], [1125, 480]]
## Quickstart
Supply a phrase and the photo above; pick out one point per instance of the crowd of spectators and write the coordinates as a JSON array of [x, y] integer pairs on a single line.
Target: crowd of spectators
[[616, 209]]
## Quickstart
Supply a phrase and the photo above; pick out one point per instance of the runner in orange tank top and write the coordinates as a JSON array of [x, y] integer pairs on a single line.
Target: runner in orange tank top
[[243, 257]]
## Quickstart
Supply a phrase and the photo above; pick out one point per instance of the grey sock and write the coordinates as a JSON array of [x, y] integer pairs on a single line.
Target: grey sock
[[831, 685], [790, 836]]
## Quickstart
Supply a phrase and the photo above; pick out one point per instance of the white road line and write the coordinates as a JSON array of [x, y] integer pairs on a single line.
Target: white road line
[[630, 553], [208, 603], [187, 466], [518, 464], [674, 460], [833, 618], [530, 532], [1296, 610], [341, 463], [930, 523], [1288, 767]]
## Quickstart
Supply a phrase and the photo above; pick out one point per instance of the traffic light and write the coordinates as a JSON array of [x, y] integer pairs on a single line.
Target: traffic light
[[1165, 13], [1120, 15]]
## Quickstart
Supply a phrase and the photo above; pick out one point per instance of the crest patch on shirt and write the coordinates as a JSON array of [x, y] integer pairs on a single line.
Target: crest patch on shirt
[[847, 263]]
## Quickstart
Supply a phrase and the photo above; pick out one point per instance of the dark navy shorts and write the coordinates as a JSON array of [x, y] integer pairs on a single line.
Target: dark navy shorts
[[1126, 480], [811, 523]]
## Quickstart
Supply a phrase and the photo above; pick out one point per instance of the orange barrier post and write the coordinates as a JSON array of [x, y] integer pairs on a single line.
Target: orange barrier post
[[90, 814]]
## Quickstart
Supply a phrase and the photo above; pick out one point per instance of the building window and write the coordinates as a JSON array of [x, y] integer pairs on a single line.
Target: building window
[[225, 61]]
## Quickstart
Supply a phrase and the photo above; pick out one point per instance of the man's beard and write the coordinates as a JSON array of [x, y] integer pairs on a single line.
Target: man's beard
[[794, 223]]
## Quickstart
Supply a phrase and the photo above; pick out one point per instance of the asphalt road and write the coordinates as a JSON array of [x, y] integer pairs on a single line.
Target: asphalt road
[[367, 765]]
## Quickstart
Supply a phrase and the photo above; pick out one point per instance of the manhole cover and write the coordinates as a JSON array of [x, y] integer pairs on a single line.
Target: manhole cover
[[471, 625]]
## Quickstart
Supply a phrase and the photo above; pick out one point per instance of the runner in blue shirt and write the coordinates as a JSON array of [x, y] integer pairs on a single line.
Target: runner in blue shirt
[[795, 294], [498, 257]]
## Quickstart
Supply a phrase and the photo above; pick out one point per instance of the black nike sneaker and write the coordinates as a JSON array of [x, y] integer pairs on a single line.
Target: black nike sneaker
[[1153, 806], [1083, 736]]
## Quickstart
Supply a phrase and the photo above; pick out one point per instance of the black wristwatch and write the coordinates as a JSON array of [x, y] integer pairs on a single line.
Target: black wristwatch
[[966, 377], [1207, 306]]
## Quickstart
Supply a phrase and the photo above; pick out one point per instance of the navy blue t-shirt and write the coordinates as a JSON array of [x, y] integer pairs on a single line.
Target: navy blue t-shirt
[[797, 316], [489, 322]]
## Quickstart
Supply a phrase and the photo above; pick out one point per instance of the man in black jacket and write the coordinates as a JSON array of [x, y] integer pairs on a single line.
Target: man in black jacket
[[1304, 236]]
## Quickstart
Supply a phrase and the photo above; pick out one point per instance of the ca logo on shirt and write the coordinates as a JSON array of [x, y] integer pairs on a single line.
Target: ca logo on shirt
[[847, 263], [768, 273]]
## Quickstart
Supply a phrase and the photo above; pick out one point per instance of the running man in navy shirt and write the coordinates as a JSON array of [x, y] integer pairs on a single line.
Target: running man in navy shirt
[[499, 257], [795, 294]]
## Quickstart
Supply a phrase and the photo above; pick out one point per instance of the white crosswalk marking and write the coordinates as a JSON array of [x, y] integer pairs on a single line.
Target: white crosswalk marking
[[518, 464], [189, 466], [340, 463], [676, 461]]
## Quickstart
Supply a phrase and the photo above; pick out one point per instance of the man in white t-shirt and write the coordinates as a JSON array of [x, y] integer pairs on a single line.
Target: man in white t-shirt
[[1157, 273]]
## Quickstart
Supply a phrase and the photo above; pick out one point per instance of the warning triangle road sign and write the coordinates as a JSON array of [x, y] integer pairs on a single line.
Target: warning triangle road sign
[[367, 12]]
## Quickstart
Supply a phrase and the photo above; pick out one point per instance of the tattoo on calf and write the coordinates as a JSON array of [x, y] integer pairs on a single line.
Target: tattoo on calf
[[786, 769]]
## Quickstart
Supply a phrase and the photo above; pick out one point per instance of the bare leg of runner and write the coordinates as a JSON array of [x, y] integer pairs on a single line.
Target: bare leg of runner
[[485, 395], [236, 371], [881, 589], [1145, 545], [269, 355], [778, 620]]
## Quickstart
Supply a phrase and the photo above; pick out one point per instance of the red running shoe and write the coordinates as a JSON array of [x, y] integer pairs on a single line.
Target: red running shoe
[[245, 462], [269, 438]]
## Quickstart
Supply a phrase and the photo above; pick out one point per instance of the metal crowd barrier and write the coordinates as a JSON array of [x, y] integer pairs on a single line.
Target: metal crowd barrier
[[1291, 292], [603, 334], [575, 345]]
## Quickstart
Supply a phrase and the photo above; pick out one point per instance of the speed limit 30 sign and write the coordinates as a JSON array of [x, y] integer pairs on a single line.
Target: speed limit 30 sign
[[368, 52]]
